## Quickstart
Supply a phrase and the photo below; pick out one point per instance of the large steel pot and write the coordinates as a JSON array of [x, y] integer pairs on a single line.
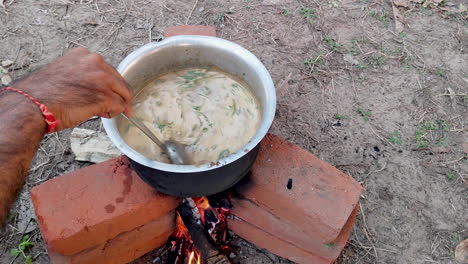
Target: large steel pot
[[154, 59]]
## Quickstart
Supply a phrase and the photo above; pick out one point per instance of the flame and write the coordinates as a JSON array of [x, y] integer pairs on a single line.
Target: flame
[[202, 205], [191, 257], [214, 222], [182, 231]]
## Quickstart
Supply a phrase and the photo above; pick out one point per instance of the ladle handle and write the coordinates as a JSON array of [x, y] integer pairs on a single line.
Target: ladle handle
[[145, 130]]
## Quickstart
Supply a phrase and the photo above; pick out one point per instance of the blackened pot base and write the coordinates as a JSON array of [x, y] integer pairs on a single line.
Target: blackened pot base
[[197, 184]]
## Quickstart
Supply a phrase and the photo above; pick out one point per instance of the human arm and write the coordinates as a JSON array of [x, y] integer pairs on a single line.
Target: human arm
[[74, 88]]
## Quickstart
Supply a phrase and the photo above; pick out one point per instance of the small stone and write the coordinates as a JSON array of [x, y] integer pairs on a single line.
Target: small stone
[[232, 255], [201, 9], [6, 79], [461, 252], [3, 70], [7, 63], [350, 58], [92, 146]]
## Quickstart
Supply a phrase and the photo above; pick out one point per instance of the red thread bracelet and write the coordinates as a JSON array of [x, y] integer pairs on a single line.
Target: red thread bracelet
[[49, 118]]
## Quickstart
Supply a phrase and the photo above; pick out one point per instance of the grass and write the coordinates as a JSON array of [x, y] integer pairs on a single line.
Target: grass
[[362, 66], [339, 116], [308, 13], [354, 47], [407, 67], [395, 138], [423, 129], [286, 12], [379, 60], [407, 64], [22, 248], [381, 16], [332, 44], [247, 4], [312, 62], [441, 73], [451, 175], [366, 114], [441, 142]]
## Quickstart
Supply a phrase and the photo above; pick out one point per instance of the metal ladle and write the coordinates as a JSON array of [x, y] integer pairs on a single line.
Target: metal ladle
[[174, 150]]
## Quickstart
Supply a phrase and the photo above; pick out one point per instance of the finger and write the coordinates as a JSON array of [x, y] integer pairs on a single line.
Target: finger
[[108, 85], [122, 87], [117, 87], [78, 51], [113, 106], [128, 111]]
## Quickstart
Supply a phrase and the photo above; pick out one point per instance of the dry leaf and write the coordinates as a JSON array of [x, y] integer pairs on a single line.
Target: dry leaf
[[432, 2], [7, 63], [351, 59], [451, 93], [6, 79], [396, 16], [461, 252], [462, 8], [403, 3], [465, 147], [283, 85]]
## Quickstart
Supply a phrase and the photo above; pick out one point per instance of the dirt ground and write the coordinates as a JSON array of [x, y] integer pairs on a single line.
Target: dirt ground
[[384, 102]]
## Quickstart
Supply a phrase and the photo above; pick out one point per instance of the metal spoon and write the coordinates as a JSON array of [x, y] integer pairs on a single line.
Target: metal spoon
[[174, 150]]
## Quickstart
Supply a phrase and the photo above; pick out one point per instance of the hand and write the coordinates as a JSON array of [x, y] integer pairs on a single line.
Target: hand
[[78, 86]]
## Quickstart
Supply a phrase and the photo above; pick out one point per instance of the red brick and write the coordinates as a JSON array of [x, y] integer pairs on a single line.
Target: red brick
[[321, 199], [190, 30], [84, 208], [274, 244], [283, 238], [126, 246]]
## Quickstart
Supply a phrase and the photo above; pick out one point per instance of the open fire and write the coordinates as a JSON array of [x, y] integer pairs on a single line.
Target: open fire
[[201, 232]]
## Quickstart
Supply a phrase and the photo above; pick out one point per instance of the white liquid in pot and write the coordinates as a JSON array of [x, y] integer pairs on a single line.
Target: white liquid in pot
[[205, 109]]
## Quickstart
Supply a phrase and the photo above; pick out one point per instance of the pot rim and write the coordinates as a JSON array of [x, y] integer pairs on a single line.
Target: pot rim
[[209, 42]]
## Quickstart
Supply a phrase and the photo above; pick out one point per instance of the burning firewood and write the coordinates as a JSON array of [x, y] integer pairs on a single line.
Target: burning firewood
[[201, 233]]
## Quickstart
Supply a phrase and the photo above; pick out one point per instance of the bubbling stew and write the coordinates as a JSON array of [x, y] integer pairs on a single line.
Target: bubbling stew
[[209, 111]]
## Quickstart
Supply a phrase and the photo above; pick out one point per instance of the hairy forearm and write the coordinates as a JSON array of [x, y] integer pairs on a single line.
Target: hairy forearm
[[21, 130]]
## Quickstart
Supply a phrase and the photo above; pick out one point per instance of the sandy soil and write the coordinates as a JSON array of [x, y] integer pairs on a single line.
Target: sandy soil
[[386, 105]]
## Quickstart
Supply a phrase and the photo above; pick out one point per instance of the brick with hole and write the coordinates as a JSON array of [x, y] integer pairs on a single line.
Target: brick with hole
[[303, 203], [295, 185]]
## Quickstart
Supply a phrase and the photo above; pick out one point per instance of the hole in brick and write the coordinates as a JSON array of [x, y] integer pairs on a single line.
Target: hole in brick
[[109, 208], [289, 185]]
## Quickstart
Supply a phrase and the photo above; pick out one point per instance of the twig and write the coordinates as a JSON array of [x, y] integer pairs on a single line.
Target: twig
[[191, 12], [40, 165], [366, 232], [385, 140], [150, 32], [379, 170], [368, 247], [448, 94], [451, 161]]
